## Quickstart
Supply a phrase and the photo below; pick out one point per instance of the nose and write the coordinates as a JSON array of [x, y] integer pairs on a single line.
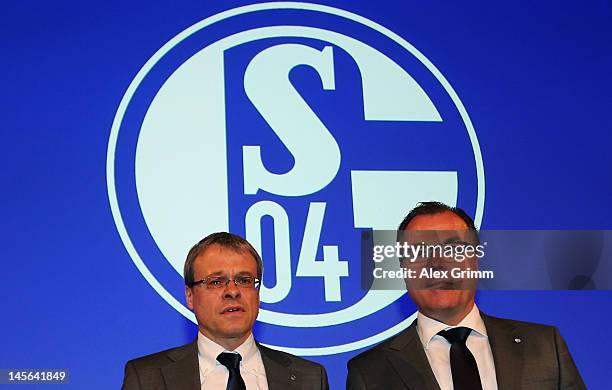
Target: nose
[[436, 262], [231, 291]]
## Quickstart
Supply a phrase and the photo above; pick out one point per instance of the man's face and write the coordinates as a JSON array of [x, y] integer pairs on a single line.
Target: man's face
[[225, 315], [438, 303]]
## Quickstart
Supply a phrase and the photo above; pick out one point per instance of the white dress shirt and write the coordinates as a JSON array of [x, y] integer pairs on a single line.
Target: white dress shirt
[[214, 375], [437, 349]]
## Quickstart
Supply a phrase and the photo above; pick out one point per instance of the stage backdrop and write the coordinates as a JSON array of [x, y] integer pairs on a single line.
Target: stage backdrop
[[130, 130]]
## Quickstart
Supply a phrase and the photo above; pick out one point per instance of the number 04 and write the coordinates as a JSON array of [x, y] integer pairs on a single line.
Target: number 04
[[330, 268]]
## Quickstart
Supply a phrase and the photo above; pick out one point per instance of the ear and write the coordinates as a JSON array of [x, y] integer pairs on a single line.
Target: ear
[[189, 297]]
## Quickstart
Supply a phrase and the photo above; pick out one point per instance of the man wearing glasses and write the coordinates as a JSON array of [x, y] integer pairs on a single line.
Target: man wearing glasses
[[222, 278]]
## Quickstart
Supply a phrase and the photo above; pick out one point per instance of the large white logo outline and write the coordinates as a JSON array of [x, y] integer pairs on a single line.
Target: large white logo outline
[[238, 11]]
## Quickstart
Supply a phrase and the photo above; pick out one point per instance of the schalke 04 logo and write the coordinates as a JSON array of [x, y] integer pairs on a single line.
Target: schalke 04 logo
[[297, 126]]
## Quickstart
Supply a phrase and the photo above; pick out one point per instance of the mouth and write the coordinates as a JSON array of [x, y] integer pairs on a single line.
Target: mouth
[[232, 310], [440, 284]]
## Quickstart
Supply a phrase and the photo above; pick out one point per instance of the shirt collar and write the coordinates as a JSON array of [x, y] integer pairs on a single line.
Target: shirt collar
[[427, 327], [208, 351]]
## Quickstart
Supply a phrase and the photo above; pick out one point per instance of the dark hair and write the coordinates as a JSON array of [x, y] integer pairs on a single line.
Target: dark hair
[[225, 240], [430, 208]]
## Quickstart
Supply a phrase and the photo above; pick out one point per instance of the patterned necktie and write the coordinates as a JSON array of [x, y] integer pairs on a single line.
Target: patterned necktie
[[232, 362], [463, 364]]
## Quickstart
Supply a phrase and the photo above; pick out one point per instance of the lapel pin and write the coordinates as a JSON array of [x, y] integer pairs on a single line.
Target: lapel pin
[[292, 377], [517, 340]]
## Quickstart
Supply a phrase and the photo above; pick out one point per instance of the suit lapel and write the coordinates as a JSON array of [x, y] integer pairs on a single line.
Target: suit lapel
[[507, 347], [410, 362], [277, 366], [184, 372]]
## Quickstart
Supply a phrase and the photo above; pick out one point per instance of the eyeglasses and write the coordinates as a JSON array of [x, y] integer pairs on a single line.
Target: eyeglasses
[[218, 282]]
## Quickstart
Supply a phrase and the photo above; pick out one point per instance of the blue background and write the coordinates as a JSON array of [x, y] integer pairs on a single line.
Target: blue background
[[534, 77]]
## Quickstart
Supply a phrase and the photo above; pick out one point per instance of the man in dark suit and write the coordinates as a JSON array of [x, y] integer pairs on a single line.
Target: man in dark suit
[[452, 345], [222, 278]]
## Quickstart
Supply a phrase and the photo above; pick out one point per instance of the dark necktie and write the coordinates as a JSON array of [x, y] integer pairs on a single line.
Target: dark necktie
[[463, 364], [232, 362]]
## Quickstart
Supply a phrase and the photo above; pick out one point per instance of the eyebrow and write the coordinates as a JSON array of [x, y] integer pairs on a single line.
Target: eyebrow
[[217, 273], [245, 273], [222, 273], [454, 240]]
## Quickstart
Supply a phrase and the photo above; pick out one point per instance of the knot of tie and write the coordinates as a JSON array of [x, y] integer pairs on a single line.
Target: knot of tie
[[232, 362], [456, 335], [463, 364]]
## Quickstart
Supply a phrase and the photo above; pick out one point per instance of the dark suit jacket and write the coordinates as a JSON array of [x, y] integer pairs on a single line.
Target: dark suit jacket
[[527, 356], [178, 369]]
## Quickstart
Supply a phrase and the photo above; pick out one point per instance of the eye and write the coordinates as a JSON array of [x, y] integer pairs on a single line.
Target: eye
[[244, 281], [217, 282]]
